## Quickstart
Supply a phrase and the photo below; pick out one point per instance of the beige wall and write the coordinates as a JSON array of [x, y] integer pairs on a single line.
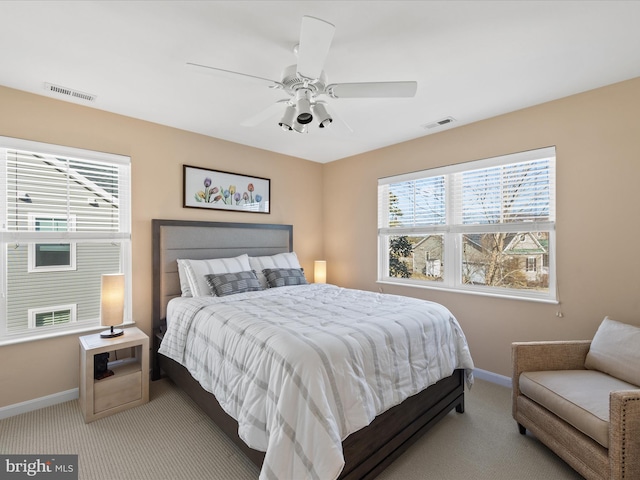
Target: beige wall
[[597, 135], [35, 369], [598, 169]]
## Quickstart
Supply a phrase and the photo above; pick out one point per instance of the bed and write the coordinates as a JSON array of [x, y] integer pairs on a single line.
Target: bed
[[376, 432]]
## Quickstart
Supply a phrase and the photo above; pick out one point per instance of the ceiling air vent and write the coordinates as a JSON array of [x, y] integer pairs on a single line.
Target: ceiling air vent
[[439, 123], [69, 92]]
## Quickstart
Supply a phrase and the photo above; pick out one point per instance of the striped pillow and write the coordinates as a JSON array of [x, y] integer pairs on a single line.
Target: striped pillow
[[279, 260], [230, 283], [197, 269], [280, 277]]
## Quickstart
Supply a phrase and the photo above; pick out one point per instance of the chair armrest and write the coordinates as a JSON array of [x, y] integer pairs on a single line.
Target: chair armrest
[[624, 434], [541, 356]]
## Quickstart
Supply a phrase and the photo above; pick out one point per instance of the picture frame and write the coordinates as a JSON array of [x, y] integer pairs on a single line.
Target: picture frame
[[220, 190]]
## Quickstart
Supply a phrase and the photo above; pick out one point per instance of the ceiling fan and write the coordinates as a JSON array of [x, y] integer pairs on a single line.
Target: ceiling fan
[[307, 81]]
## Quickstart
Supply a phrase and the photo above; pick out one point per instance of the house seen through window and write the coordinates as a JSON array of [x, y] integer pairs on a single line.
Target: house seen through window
[[483, 227]]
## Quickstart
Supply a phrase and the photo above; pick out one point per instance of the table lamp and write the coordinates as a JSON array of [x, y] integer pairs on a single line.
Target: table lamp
[[112, 304], [320, 271]]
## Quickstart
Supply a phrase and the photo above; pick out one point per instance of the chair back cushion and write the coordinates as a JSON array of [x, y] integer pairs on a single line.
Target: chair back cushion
[[615, 350]]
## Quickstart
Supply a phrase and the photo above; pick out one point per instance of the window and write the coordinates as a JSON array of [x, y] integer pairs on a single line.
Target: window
[[51, 316], [65, 221], [47, 257], [531, 264], [483, 227]]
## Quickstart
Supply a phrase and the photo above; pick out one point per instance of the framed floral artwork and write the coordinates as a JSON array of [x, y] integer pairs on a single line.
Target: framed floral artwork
[[218, 190]]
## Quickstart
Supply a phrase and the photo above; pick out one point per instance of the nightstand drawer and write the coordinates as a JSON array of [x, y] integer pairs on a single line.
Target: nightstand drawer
[[117, 390]]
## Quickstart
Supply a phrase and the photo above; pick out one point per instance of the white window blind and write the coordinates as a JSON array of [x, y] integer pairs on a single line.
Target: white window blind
[[516, 192], [65, 186], [67, 198], [473, 224]]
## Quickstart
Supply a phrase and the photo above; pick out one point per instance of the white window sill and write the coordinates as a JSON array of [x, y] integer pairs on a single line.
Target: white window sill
[[87, 329], [506, 296]]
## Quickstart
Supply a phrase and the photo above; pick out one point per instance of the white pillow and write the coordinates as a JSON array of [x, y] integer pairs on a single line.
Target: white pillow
[[197, 269], [279, 260], [184, 279], [615, 349]]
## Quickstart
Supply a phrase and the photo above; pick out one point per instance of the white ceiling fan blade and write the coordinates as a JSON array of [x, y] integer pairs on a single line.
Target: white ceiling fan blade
[[265, 114], [372, 90], [315, 39], [231, 74]]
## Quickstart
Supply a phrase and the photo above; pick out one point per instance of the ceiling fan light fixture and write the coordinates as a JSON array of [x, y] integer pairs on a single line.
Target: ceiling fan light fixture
[[303, 107], [324, 119], [288, 118], [299, 127]]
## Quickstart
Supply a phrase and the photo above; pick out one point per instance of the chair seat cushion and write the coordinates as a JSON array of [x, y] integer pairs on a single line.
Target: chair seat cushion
[[579, 397]]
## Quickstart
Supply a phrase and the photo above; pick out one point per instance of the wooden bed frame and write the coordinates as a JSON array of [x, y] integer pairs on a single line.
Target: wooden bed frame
[[368, 451]]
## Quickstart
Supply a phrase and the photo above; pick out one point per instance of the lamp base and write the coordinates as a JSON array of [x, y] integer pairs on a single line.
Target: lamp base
[[112, 333]]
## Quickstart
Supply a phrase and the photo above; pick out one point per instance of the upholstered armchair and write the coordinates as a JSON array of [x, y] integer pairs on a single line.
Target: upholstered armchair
[[582, 399]]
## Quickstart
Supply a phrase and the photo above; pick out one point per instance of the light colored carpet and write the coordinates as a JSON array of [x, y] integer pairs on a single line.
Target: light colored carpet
[[170, 438]]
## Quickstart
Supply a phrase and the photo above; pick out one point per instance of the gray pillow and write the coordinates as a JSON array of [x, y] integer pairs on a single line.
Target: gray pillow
[[280, 277], [230, 283]]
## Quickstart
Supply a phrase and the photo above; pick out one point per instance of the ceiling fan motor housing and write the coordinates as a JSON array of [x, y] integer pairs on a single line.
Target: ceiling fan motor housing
[[292, 82]]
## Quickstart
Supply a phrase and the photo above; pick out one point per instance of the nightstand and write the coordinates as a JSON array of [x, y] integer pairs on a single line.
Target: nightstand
[[128, 386]]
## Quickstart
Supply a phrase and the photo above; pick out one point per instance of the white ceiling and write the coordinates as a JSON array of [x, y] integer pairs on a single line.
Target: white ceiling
[[472, 60]]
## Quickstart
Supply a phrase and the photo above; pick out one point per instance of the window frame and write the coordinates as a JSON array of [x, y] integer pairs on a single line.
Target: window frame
[[453, 229]]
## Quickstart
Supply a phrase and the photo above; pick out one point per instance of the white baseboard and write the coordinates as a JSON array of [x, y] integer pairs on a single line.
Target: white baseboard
[[492, 377], [38, 403], [61, 397]]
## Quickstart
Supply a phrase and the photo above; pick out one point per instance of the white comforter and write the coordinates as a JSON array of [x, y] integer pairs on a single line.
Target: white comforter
[[302, 367]]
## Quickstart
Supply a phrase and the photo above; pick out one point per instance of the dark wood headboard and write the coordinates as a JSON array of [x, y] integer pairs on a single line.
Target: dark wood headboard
[[173, 239]]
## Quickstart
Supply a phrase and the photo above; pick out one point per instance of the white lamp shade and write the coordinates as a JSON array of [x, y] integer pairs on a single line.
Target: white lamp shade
[[112, 300], [320, 271]]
